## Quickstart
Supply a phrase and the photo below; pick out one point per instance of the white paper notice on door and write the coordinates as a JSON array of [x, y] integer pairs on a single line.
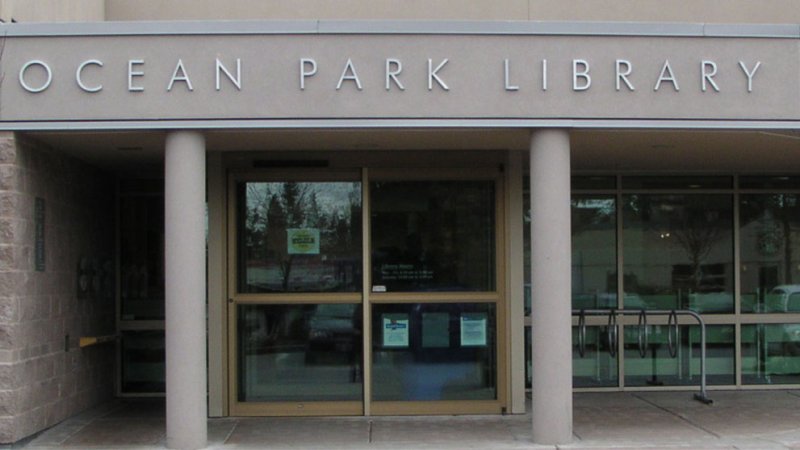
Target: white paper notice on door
[[395, 330], [473, 329]]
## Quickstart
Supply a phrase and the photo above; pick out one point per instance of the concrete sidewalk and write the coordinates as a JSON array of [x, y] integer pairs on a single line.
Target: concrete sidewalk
[[648, 420]]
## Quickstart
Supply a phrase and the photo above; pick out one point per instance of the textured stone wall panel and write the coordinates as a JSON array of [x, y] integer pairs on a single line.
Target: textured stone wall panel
[[44, 376]]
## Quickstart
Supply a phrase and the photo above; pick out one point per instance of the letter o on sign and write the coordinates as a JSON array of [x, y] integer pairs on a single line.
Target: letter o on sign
[[27, 66]]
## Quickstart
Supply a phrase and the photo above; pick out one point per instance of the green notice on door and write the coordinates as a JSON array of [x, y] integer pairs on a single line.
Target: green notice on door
[[302, 241]]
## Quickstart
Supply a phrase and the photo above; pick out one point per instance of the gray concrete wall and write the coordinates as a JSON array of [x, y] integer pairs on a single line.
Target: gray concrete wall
[[711, 11], [52, 10], [693, 11], [44, 376]]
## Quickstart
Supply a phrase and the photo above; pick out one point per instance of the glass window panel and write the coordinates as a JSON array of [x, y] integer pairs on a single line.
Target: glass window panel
[[142, 186], [594, 182], [769, 182], [142, 257], [433, 236], [299, 237], [771, 354], [528, 358], [594, 252], [678, 252], [300, 353], [596, 368], [143, 362], [434, 351], [676, 182], [526, 243], [658, 367], [770, 252]]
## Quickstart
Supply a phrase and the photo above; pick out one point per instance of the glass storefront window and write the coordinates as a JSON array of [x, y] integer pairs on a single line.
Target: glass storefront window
[[142, 362], [769, 182], [433, 236], [678, 252], [302, 352], [657, 367], [299, 237], [771, 354], [592, 182], [770, 252], [597, 367], [528, 358], [594, 278], [594, 252], [675, 182], [434, 351], [141, 256]]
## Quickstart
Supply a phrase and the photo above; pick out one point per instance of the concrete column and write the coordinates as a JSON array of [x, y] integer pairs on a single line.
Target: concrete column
[[551, 317], [185, 265]]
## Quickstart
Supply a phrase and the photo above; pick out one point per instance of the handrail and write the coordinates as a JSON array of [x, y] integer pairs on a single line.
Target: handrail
[[86, 341], [672, 322]]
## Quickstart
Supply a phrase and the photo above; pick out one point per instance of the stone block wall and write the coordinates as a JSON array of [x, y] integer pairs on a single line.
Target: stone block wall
[[44, 376]]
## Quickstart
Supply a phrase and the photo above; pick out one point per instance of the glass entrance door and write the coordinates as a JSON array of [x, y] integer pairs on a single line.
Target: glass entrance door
[[436, 309], [379, 295], [296, 306]]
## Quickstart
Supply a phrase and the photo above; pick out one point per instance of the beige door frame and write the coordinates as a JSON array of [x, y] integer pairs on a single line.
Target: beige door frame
[[369, 298]]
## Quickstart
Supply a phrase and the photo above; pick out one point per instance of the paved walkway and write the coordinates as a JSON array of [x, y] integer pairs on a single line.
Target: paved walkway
[[760, 420]]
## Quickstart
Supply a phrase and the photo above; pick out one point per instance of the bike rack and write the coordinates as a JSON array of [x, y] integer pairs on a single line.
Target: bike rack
[[612, 335]]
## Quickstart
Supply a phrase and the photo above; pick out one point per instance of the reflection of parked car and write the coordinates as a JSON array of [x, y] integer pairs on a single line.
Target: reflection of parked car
[[334, 327], [784, 298]]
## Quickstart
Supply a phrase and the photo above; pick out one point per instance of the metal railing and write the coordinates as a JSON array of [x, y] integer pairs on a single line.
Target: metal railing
[[612, 335]]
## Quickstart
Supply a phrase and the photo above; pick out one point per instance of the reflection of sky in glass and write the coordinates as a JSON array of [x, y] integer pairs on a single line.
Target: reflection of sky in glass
[[333, 198], [604, 205]]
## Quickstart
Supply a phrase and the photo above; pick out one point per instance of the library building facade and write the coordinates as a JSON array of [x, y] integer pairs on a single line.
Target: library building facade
[[375, 217]]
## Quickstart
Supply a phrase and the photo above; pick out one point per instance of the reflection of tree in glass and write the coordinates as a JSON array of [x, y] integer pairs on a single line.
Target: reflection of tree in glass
[[273, 208], [680, 248], [591, 213], [775, 216], [697, 229]]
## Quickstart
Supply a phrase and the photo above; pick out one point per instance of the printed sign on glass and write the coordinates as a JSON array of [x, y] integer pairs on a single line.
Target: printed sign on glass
[[395, 330], [473, 330], [302, 241]]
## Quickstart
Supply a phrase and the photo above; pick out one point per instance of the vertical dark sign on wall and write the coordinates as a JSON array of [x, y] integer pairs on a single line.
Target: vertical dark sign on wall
[[38, 221]]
